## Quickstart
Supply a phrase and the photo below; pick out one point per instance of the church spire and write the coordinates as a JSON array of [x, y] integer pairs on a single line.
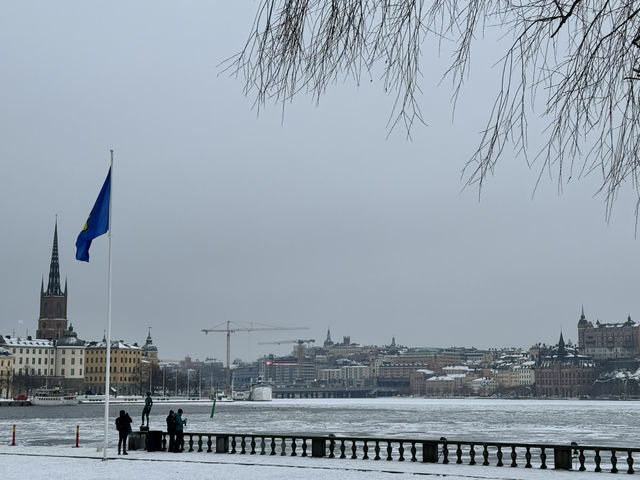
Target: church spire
[[562, 352], [54, 269]]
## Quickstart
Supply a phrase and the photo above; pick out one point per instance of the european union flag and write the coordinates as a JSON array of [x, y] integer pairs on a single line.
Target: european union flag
[[97, 223]]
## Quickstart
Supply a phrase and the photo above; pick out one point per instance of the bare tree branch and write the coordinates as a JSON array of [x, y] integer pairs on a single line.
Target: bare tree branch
[[574, 62]]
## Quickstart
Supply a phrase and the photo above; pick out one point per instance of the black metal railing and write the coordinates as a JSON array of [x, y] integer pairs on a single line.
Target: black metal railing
[[499, 454]]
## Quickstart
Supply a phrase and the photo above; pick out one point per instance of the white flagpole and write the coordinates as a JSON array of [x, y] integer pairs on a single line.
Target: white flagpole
[[108, 367]]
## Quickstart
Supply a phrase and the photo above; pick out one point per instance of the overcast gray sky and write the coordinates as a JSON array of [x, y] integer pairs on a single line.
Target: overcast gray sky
[[318, 220]]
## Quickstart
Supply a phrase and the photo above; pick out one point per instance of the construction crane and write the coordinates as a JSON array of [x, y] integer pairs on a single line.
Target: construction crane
[[230, 327], [299, 350]]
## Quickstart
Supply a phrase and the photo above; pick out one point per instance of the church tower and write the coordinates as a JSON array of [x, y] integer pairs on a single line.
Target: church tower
[[53, 301]]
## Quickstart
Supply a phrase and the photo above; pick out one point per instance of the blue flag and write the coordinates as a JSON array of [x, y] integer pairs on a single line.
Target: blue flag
[[97, 223]]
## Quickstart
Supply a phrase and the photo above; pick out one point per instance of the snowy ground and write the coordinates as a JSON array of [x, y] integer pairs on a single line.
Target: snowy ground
[[44, 463]]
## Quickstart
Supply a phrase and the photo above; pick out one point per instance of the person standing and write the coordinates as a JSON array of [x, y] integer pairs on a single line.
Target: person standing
[[180, 423], [123, 425], [171, 430]]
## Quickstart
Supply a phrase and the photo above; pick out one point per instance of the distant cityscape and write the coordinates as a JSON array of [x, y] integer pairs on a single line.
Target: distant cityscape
[[604, 364]]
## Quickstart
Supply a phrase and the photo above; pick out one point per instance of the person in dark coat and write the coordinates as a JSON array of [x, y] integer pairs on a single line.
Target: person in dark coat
[[180, 423], [171, 430], [123, 425]]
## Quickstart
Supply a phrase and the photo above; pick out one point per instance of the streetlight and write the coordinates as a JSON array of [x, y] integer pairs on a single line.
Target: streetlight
[[189, 370]]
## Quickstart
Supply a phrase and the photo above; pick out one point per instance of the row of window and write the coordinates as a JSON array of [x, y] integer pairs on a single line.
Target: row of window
[[100, 359], [38, 351], [44, 372], [113, 379], [40, 362]]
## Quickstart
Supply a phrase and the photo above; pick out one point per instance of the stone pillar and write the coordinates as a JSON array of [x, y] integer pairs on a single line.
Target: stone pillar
[[430, 452], [318, 447], [222, 444], [562, 458]]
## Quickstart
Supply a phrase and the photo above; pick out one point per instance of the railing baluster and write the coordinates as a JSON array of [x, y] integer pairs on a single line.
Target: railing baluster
[[565, 457]]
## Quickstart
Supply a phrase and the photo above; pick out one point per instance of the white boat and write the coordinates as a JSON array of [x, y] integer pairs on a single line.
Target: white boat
[[261, 392], [136, 399], [53, 397], [240, 395], [222, 397]]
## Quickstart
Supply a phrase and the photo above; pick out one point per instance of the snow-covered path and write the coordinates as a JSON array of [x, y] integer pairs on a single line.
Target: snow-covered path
[[44, 463]]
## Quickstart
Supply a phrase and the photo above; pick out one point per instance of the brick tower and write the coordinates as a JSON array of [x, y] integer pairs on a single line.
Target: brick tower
[[53, 302]]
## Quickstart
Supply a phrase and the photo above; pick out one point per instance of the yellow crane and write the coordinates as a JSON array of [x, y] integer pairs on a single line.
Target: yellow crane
[[230, 327], [299, 349]]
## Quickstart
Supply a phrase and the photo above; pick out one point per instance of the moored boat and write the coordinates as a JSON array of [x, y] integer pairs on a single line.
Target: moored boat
[[53, 397], [261, 392]]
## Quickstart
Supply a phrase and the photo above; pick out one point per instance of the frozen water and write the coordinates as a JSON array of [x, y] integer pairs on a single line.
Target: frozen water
[[613, 423]]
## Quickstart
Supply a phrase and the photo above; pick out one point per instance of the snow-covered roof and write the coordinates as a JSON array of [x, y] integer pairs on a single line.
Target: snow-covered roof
[[114, 344], [21, 342], [447, 378]]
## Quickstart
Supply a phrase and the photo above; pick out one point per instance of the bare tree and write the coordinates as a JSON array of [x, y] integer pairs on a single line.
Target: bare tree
[[575, 62]]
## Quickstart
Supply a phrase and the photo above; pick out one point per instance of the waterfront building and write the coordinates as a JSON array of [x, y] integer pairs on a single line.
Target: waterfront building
[[69, 360], [608, 341], [31, 357], [125, 376], [417, 381], [149, 363], [149, 350], [525, 373], [52, 322], [564, 374], [6, 373]]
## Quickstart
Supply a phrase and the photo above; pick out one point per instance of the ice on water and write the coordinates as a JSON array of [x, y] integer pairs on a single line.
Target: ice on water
[[554, 421]]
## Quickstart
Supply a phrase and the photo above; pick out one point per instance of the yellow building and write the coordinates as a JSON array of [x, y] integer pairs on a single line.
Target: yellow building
[[125, 368], [6, 373]]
